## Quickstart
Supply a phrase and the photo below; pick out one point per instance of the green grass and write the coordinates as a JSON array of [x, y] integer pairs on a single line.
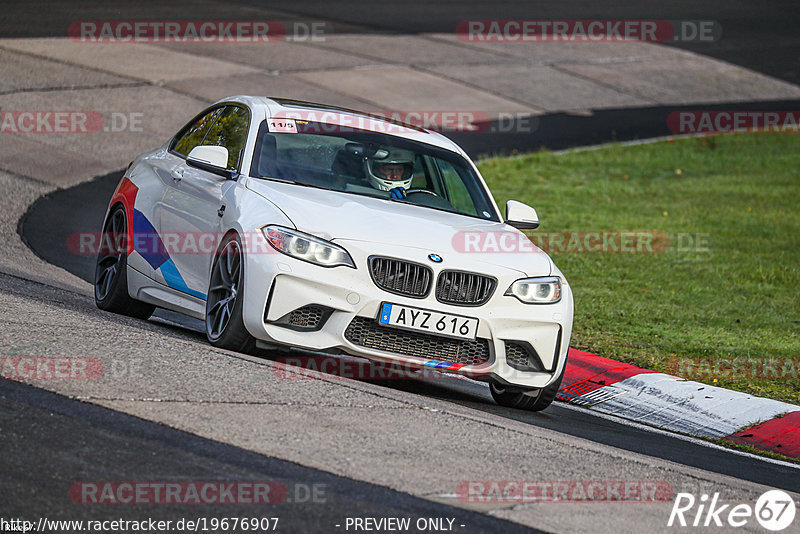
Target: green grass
[[735, 299]]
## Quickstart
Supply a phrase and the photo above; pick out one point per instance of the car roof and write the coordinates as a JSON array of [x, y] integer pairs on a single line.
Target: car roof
[[284, 107]]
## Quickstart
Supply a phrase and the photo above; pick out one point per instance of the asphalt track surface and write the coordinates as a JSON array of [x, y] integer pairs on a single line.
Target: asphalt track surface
[[82, 208], [140, 446], [758, 36], [761, 36]]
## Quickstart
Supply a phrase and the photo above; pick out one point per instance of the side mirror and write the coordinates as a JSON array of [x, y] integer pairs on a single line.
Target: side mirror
[[213, 159], [521, 216]]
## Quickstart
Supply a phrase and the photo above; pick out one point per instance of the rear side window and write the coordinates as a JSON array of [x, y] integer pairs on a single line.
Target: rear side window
[[193, 134]]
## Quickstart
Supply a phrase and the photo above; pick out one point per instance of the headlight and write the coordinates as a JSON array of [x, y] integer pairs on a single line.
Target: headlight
[[306, 247], [543, 290]]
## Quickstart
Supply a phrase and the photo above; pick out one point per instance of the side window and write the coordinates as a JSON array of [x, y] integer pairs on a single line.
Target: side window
[[230, 131], [193, 135], [420, 177], [457, 192]]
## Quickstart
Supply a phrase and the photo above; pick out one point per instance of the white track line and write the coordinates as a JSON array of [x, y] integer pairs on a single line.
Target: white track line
[[684, 437]]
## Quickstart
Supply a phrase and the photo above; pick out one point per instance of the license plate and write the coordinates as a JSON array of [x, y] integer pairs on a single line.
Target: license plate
[[428, 321]]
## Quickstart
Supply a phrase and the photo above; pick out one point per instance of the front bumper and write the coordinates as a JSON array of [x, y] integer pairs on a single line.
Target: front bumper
[[349, 302]]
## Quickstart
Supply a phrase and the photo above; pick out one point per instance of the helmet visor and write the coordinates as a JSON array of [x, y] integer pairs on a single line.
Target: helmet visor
[[393, 171]]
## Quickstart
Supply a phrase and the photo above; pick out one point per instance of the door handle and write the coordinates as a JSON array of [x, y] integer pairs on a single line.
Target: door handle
[[177, 174]]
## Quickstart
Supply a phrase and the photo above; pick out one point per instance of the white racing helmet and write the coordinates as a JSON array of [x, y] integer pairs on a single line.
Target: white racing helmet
[[389, 168]]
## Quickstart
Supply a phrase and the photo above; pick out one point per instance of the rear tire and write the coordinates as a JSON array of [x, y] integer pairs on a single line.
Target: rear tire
[[522, 401], [224, 317], [111, 270]]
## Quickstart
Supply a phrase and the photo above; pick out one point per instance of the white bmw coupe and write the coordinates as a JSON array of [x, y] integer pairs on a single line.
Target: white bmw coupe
[[290, 224]]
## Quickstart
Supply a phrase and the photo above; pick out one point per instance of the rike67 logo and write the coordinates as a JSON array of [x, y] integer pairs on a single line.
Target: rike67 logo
[[774, 511]]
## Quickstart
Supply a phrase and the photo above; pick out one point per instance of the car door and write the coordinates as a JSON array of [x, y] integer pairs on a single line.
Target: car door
[[154, 176], [189, 212]]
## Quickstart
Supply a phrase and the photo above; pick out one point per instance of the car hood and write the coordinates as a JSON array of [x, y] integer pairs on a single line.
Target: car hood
[[340, 216]]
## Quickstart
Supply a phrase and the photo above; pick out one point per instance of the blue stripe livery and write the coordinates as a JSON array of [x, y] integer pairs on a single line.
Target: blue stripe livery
[[148, 244]]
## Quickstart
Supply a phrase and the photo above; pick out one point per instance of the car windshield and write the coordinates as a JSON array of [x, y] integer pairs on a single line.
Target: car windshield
[[370, 163]]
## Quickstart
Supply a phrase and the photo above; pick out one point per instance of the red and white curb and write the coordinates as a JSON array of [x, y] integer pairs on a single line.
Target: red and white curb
[[680, 405]]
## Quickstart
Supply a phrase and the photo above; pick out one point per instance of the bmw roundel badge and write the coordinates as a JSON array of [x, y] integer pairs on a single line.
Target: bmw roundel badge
[[435, 258]]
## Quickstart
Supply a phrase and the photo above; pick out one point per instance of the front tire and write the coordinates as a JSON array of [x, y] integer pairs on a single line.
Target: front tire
[[111, 270], [522, 401], [224, 318]]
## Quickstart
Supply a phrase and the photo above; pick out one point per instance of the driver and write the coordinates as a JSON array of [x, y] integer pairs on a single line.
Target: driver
[[390, 169]]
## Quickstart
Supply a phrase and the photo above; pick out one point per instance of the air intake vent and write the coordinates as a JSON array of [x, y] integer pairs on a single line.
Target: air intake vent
[[306, 319], [400, 277], [464, 289], [522, 356], [367, 333]]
